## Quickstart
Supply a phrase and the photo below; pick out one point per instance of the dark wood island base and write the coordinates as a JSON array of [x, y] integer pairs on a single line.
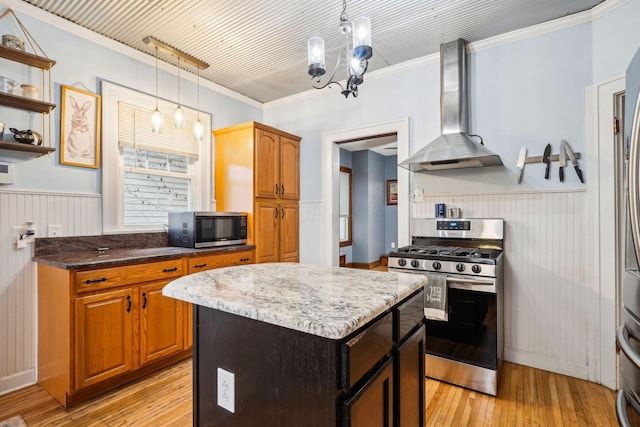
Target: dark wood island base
[[283, 377]]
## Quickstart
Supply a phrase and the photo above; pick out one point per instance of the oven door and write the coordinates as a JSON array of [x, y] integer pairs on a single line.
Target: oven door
[[471, 334]]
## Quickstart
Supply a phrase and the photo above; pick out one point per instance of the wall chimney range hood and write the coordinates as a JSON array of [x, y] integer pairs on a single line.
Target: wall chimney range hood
[[454, 149]]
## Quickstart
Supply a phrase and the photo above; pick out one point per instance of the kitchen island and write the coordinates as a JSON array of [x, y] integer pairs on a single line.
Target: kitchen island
[[290, 344]]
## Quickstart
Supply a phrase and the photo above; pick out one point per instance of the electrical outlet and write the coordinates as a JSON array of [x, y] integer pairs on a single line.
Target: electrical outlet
[[18, 236], [393, 245], [226, 390], [54, 230]]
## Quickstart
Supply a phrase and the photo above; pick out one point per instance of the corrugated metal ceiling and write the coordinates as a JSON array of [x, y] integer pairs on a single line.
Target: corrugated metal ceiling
[[258, 47]]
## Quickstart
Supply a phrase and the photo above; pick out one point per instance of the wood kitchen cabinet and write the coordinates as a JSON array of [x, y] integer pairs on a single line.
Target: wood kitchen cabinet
[[258, 172], [104, 336]]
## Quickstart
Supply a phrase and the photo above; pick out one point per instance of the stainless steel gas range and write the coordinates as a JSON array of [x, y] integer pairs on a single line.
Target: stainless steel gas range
[[464, 262]]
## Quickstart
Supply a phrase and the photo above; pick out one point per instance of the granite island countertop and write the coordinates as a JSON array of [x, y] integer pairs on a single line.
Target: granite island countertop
[[330, 302]]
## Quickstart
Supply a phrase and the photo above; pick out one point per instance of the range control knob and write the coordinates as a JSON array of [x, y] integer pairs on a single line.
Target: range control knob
[[415, 263], [476, 268], [436, 265], [460, 267], [402, 262]]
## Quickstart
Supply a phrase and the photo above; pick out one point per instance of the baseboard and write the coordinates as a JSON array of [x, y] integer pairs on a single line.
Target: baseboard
[[364, 265], [545, 363], [17, 381]]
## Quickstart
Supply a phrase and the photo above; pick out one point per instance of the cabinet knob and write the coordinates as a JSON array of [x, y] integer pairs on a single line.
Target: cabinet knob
[[282, 212], [281, 188], [276, 212], [276, 188]]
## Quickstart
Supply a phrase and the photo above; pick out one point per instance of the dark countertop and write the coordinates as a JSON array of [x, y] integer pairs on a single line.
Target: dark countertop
[[71, 253], [92, 259]]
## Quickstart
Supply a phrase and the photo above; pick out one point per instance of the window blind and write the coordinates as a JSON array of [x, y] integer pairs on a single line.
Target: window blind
[[134, 130]]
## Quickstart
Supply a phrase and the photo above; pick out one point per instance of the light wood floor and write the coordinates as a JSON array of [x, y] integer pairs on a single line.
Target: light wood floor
[[526, 397]]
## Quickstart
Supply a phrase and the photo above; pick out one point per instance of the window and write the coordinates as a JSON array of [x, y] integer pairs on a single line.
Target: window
[[345, 206], [146, 175]]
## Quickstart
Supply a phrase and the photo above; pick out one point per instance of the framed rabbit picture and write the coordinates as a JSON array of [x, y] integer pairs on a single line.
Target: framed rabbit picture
[[80, 128]]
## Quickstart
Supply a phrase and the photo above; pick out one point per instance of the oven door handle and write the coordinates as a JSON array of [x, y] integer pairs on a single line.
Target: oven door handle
[[621, 409], [472, 284], [623, 336]]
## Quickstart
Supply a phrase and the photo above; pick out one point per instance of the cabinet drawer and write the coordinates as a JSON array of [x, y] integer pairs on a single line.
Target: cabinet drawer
[[219, 260], [407, 315], [118, 276], [365, 350]]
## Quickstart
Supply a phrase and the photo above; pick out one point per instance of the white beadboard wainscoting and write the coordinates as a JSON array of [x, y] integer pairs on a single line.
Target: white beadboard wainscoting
[[548, 320], [79, 215]]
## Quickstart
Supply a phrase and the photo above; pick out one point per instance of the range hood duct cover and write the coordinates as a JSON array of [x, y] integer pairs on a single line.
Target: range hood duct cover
[[454, 149]]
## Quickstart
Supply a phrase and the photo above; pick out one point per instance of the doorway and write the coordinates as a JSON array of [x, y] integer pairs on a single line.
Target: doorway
[[331, 182], [368, 209]]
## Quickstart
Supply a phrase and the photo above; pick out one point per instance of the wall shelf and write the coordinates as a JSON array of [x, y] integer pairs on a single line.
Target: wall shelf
[[10, 149], [26, 58], [23, 103]]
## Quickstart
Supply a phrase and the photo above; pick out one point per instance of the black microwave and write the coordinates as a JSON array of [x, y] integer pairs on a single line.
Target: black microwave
[[207, 229]]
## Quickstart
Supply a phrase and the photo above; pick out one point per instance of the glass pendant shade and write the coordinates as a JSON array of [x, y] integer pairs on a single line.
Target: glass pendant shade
[[178, 117], [198, 129], [156, 121], [315, 55], [362, 38]]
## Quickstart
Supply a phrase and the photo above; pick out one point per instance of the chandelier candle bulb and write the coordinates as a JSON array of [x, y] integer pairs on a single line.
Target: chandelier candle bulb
[[362, 38], [315, 51]]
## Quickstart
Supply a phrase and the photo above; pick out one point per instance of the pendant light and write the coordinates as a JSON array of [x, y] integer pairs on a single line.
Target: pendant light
[[198, 127], [156, 116], [178, 114]]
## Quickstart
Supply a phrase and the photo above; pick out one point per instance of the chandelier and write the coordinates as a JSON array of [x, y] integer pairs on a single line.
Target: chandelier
[[356, 59]]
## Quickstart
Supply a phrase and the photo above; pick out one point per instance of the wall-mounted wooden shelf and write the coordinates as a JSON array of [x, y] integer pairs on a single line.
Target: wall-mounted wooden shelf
[[23, 103], [10, 149], [26, 58]]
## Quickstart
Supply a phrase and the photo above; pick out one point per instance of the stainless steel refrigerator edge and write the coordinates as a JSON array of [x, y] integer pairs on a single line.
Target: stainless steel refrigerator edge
[[628, 336]]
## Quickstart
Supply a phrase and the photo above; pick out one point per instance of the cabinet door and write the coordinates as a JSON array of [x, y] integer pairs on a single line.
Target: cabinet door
[[372, 405], [160, 323], [289, 240], [410, 380], [289, 169], [267, 160], [104, 335], [267, 218]]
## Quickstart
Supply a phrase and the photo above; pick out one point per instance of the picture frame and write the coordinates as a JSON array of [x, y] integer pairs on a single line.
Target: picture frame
[[392, 192], [80, 116]]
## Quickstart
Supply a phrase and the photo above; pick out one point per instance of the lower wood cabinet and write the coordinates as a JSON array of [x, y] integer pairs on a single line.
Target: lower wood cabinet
[[372, 405], [104, 336], [100, 328]]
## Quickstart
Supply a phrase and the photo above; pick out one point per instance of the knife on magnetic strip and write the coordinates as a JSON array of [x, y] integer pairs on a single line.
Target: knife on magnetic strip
[[562, 158], [573, 159], [520, 163], [546, 158]]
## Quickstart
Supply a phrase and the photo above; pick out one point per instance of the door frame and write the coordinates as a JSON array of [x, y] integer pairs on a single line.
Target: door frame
[[601, 197], [331, 182]]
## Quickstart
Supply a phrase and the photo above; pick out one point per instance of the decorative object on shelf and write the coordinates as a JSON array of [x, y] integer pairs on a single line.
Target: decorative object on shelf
[[356, 59], [80, 128], [13, 42], [198, 127], [392, 192], [26, 136], [29, 91], [7, 85]]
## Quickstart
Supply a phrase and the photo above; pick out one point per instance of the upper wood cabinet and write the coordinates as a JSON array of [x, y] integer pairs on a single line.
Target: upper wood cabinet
[[257, 171]]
